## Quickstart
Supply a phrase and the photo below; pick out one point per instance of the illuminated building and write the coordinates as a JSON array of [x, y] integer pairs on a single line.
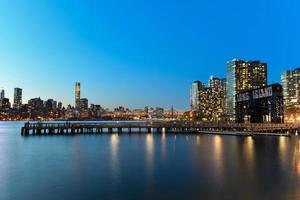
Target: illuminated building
[[77, 95], [242, 76], [262, 105], [217, 84], [194, 95], [208, 103], [17, 98], [291, 92]]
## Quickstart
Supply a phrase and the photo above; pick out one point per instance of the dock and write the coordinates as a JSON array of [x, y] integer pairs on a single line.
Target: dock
[[73, 128]]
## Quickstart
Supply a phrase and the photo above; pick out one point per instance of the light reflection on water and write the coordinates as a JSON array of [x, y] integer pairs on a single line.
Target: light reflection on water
[[148, 166]]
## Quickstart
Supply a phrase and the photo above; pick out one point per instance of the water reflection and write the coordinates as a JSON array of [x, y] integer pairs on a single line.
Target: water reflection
[[218, 157], [297, 157], [114, 145], [283, 148], [149, 155], [163, 145], [249, 151]]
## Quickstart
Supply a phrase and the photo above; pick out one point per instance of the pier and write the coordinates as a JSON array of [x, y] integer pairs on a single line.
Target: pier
[[73, 128]]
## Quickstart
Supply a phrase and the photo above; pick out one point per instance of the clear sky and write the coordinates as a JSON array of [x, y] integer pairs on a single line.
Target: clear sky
[[137, 53]]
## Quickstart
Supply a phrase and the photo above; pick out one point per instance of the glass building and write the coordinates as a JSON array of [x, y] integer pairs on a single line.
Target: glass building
[[194, 95], [77, 95], [17, 97], [242, 76], [291, 91]]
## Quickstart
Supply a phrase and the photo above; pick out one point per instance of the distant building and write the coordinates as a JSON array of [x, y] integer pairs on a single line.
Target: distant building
[[59, 106], [77, 95], [291, 91], [2, 94], [242, 76], [17, 98], [50, 105], [83, 104], [4, 103], [262, 105], [194, 95], [36, 104]]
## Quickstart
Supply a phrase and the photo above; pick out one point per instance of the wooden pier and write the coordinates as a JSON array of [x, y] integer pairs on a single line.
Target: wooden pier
[[73, 128]]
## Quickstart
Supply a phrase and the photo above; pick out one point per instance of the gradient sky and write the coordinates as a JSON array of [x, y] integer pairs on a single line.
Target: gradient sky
[[137, 53]]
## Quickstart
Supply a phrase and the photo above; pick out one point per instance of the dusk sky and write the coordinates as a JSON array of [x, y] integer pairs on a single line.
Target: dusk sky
[[137, 53]]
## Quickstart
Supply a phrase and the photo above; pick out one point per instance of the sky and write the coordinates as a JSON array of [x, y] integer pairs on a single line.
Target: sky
[[136, 53]]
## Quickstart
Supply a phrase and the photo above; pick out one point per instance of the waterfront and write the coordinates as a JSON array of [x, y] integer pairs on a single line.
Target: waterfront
[[147, 166]]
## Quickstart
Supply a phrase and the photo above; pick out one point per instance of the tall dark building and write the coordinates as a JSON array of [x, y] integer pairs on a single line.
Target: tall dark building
[[242, 76], [262, 105], [17, 98], [77, 95], [2, 94], [84, 104]]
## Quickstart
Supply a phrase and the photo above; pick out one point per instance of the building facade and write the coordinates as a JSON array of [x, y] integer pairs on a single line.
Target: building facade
[[262, 105], [17, 98], [194, 95], [77, 95], [291, 91], [242, 76], [2, 94], [208, 103]]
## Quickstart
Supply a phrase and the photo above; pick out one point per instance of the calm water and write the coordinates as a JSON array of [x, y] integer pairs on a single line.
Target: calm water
[[147, 166]]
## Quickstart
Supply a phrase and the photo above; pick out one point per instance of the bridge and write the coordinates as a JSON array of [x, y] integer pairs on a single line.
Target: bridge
[[223, 128]]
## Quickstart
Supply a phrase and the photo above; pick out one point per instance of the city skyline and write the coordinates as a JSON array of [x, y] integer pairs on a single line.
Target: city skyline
[[119, 52]]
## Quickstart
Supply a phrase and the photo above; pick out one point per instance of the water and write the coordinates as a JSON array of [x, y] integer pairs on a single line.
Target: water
[[147, 166]]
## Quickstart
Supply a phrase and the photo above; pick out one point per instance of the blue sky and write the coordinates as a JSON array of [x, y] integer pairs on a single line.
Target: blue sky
[[137, 53]]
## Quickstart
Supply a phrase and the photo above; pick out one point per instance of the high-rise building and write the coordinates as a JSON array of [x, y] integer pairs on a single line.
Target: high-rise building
[[77, 95], [194, 95], [83, 104], [242, 76], [291, 91], [36, 104], [208, 103], [17, 98], [2, 94], [217, 83]]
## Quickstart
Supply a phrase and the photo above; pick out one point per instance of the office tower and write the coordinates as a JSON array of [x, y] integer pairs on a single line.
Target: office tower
[[194, 95], [17, 97], [262, 105], [2, 94], [50, 105], [242, 76], [77, 95], [291, 91], [83, 104], [4, 103], [36, 104]]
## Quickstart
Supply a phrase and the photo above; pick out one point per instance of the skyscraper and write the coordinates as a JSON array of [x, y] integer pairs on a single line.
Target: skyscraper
[[194, 95], [17, 98], [291, 91], [217, 83], [2, 94], [241, 76], [77, 95]]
